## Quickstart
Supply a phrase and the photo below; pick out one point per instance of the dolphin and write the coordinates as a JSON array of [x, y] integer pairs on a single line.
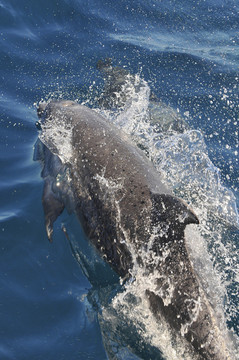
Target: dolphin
[[117, 90], [129, 215]]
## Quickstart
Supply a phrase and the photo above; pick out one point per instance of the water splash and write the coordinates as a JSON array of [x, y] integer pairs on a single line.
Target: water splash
[[180, 155], [57, 135]]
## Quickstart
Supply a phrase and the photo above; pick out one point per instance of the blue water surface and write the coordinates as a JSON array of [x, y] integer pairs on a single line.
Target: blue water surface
[[187, 51]]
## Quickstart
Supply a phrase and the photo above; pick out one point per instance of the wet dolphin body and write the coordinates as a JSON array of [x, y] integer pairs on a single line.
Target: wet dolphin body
[[127, 212]]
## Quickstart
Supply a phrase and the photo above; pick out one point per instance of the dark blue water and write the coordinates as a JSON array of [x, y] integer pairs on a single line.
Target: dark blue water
[[188, 52]]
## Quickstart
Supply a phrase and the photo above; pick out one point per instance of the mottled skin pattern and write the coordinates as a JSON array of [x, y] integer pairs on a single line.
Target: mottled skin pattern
[[120, 201]]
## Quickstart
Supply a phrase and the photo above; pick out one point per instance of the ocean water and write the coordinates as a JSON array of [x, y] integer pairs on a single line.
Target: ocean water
[[59, 300]]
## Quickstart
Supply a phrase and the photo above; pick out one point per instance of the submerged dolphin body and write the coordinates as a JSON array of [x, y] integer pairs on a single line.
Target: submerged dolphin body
[[120, 84], [130, 217]]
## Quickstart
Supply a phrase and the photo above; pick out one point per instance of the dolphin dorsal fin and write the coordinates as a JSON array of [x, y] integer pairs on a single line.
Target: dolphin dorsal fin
[[170, 209]]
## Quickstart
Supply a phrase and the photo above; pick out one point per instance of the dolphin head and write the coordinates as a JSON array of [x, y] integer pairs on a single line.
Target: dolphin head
[[45, 108], [41, 108]]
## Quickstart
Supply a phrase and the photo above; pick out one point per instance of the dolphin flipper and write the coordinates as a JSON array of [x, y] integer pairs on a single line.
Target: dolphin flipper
[[38, 154], [52, 207]]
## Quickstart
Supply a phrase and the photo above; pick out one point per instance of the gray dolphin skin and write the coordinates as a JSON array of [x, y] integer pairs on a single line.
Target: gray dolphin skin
[[127, 212]]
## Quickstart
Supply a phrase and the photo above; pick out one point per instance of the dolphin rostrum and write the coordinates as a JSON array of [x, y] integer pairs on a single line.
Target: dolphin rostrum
[[129, 215]]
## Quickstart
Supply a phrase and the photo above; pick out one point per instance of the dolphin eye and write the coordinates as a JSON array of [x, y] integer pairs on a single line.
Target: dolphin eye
[[38, 125]]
